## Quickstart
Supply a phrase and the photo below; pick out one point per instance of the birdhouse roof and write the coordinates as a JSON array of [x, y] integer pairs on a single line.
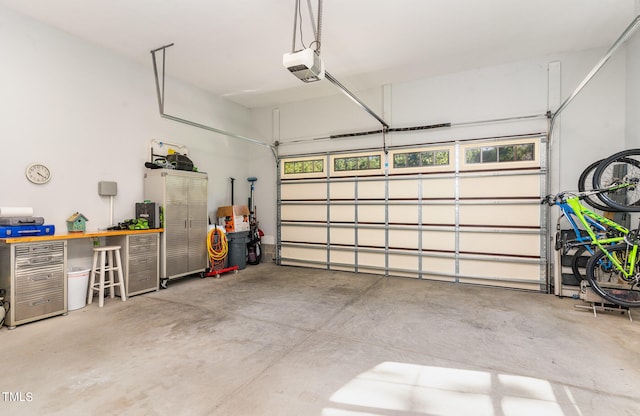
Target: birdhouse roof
[[77, 216]]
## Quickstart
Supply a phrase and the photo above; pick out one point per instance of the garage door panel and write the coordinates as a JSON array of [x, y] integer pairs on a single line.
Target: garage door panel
[[342, 213], [371, 190], [438, 188], [304, 234], [376, 260], [302, 263], [399, 189], [311, 213], [302, 190], [494, 269], [371, 237], [439, 268], [400, 239], [403, 214], [344, 236], [371, 213], [339, 256], [500, 186], [501, 282], [311, 254], [439, 214], [402, 263], [501, 243], [525, 215], [438, 240], [342, 190]]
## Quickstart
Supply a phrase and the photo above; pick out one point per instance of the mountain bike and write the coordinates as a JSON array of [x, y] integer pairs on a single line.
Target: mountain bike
[[600, 228], [612, 271]]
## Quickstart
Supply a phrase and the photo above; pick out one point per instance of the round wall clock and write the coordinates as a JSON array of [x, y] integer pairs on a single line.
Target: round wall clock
[[38, 173]]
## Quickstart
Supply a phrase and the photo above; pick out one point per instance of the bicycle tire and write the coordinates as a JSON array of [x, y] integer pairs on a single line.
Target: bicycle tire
[[585, 183], [577, 268], [608, 282], [618, 168]]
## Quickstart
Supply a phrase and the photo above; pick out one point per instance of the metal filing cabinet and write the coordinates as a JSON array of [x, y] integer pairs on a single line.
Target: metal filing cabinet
[[33, 274], [140, 261]]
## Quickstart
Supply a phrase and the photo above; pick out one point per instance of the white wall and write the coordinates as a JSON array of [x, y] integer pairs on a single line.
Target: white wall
[[593, 125], [89, 114], [633, 88]]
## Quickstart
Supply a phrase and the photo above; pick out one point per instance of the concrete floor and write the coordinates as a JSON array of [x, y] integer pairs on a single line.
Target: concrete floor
[[290, 341]]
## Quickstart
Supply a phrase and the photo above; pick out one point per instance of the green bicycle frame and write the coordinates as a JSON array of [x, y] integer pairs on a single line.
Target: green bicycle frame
[[581, 212]]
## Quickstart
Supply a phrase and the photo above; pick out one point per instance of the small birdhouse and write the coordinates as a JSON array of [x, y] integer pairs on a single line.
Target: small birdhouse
[[77, 223]]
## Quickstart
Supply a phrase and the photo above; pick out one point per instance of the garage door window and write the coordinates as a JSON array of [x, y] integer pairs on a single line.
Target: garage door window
[[303, 166], [421, 159], [507, 153], [343, 164]]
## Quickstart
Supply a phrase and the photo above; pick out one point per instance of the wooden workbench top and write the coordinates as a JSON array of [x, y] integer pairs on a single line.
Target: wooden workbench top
[[72, 236]]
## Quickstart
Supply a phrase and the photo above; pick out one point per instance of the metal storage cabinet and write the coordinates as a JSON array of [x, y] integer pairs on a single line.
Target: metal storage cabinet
[[33, 274], [182, 196], [140, 261]]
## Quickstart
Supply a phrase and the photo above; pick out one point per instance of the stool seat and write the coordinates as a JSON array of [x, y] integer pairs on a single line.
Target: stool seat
[[104, 266]]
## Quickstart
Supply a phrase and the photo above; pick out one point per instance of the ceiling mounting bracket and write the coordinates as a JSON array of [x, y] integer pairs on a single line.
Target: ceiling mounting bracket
[[160, 95]]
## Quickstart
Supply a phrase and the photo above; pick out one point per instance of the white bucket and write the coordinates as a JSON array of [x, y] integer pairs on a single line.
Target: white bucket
[[77, 286]]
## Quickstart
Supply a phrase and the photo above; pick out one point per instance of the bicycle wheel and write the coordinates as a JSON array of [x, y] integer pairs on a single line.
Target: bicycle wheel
[[578, 263], [585, 183], [620, 167], [610, 283]]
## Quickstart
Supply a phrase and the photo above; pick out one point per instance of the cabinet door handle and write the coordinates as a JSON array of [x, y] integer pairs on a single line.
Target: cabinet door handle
[[40, 302]]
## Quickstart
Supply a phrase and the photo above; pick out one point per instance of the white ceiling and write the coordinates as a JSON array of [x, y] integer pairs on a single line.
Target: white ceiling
[[233, 48]]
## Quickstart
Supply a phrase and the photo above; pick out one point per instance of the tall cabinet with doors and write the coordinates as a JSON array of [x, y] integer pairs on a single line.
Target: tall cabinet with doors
[[182, 197]]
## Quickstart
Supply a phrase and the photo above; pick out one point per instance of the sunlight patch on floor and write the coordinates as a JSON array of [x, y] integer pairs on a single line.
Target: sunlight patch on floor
[[402, 387]]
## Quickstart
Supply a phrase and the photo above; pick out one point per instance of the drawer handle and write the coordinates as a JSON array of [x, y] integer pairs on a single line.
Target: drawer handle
[[141, 249], [40, 260], [42, 248], [41, 277], [40, 302]]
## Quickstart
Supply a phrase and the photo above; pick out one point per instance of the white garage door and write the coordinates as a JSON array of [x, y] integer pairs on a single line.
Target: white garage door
[[463, 212]]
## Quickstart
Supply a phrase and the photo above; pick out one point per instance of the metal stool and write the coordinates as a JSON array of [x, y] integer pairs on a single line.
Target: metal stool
[[106, 253]]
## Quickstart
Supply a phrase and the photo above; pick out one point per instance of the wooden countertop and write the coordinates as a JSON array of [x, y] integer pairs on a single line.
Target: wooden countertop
[[73, 236]]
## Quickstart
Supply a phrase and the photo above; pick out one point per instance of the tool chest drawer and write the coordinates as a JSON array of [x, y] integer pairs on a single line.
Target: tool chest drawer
[[142, 245], [36, 255], [34, 305], [39, 279], [143, 280]]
